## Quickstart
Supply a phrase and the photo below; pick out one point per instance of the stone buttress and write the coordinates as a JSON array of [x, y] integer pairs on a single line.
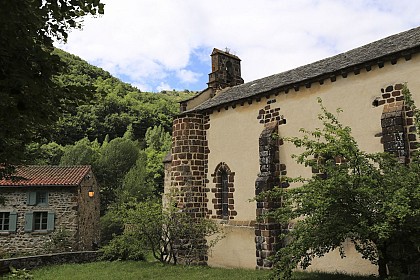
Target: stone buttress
[[188, 170]]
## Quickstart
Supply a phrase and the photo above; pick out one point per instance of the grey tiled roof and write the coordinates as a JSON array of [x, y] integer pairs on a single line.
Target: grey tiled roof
[[389, 48]]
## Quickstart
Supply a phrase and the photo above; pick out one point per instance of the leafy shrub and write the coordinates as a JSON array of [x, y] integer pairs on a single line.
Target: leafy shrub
[[123, 247], [59, 242], [111, 225], [172, 235], [18, 274]]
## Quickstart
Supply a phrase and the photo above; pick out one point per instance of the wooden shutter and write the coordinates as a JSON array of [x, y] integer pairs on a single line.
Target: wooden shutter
[[50, 221], [31, 198], [12, 221], [29, 218]]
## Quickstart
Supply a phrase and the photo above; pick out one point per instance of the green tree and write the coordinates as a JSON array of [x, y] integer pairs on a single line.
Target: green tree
[[83, 152], [158, 143], [117, 158], [111, 225], [31, 96], [158, 139], [370, 199], [137, 185], [43, 154], [117, 105], [165, 232]]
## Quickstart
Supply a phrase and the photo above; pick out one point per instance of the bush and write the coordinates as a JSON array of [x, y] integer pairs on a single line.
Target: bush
[[172, 235], [111, 225], [59, 242], [18, 274], [123, 247]]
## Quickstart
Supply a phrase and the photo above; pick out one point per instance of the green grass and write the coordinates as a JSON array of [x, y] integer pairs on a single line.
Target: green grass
[[140, 270], [148, 270]]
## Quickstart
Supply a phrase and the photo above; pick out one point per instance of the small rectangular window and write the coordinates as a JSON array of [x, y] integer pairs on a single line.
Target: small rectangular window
[[8, 220], [37, 198], [4, 221], [40, 220], [41, 197]]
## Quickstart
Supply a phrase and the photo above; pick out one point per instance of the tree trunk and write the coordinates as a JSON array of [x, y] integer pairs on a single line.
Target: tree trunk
[[382, 268], [382, 261]]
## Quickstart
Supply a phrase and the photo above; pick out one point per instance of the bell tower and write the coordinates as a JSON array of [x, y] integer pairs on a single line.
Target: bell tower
[[226, 70]]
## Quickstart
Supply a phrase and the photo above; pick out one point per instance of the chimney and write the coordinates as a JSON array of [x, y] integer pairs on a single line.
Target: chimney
[[226, 70]]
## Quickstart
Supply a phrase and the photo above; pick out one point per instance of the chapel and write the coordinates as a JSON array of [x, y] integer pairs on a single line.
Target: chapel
[[224, 151]]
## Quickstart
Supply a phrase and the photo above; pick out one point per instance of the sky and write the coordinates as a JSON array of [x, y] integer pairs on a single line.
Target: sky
[[160, 45]]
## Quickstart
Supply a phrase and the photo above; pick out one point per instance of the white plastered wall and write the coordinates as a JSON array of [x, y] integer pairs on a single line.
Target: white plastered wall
[[233, 139]]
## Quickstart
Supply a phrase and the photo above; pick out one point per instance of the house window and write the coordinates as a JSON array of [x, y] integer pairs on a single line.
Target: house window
[[41, 197], [4, 221], [38, 198], [223, 179], [39, 221], [8, 221]]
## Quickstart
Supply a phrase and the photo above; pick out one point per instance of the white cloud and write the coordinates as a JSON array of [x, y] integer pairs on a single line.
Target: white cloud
[[151, 41], [142, 87], [163, 86], [187, 76]]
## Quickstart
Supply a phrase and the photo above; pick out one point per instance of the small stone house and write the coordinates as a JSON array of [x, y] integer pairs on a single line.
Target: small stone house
[[42, 200], [223, 152]]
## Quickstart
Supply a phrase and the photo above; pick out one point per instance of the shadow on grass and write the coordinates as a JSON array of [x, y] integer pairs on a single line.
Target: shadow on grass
[[328, 276]]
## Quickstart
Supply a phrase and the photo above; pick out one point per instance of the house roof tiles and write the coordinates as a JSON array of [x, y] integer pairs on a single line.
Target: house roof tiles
[[37, 175], [389, 48]]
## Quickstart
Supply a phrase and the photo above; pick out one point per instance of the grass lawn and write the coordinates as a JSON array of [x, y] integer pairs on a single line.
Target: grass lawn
[[152, 270]]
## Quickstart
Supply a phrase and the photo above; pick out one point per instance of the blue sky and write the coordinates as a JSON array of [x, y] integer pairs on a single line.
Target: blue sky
[[166, 44]]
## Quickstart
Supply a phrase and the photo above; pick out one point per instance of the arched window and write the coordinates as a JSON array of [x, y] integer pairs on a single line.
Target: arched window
[[225, 193], [223, 179]]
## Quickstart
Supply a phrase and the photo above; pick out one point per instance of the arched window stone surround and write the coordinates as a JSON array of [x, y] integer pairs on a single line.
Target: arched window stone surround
[[267, 230], [397, 121], [223, 201]]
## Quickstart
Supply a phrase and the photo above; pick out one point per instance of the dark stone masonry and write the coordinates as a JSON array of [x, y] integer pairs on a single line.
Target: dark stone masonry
[[266, 230], [397, 122], [31, 262], [188, 173], [189, 163]]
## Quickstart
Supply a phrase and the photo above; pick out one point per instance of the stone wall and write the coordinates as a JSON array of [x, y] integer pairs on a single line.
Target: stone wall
[[89, 214], [74, 211], [188, 169], [397, 121], [32, 262], [226, 70], [223, 197], [189, 163], [61, 200], [266, 229]]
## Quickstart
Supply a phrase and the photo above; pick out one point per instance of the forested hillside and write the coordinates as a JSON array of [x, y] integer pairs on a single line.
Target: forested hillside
[[115, 105], [122, 132]]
